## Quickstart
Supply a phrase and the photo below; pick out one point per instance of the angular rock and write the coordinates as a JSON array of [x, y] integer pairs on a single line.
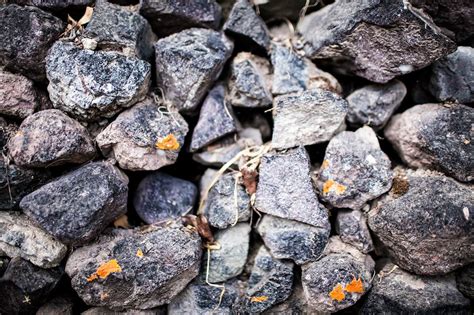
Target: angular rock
[[57, 305], [355, 170], [465, 281], [310, 117], [90, 85], [26, 34], [161, 197], [76, 207], [137, 269], [377, 40], [435, 136], [351, 226], [285, 189], [287, 239], [295, 304], [426, 223], [144, 137], [373, 105], [188, 63], [54, 4], [51, 138], [18, 96]]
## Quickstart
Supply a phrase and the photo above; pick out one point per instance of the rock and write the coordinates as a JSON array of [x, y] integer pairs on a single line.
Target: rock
[[161, 197], [295, 304], [18, 96], [26, 34], [20, 238], [452, 78], [288, 239], [285, 189], [228, 261], [351, 226], [105, 311], [398, 292], [355, 170], [436, 137], [310, 117], [7, 130], [256, 121], [374, 104], [76, 207], [137, 269], [339, 279], [90, 85], [465, 280], [377, 40], [188, 63], [168, 17], [216, 119], [57, 305], [51, 138], [55, 4], [250, 81], [25, 286], [144, 137]]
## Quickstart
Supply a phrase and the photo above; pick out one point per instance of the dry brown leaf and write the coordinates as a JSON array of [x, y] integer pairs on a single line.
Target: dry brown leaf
[[86, 17]]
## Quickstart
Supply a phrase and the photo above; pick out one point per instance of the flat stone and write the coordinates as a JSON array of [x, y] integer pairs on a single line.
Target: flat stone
[[18, 96], [465, 280], [51, 138], [188, 63], [57, 305], [310, 117], [426, 223], [351, 226], [91, 85], [355, 170], [76, 207], [437, 137]]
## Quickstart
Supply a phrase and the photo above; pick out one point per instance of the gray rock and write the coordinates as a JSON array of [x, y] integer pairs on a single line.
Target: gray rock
[[216, 119], [188, 63], [377, 40], [465, 280], [106, 311], [398, 292], [26, 34], [355, 170], [91, 85], [288, 239], [76, 207], [373, 105], [18, 96], [145, 137], [146, 267], [57, 305], [54, 4], [351, 225], [310, 117], [435, 136], [296, 304], [285, 189], [20, 238], [51, 138], [452, 78], [161, 197]]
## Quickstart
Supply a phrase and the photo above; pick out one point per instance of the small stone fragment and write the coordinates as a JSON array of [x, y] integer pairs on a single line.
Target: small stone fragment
[[57, 305], [351, 225], [18, 96], [465, 280]]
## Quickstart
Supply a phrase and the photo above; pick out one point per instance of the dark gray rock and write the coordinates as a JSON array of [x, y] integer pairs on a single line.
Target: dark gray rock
[[351, 226], [18, 96], [296, 304], [57, 305], [161, 310], [272, 9], [373, 105], [426, 223], [54, 4], [26, 34], [435, 136], [310, 117], [147, 267], [377, 40], [355, 170], [188, 63], [92, 85], [76, 207], [161, 197], [465, 280]]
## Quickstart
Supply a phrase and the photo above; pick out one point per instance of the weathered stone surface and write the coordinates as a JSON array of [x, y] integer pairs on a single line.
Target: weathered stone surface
[[373, 105], [18, 97], [144, 137], [285, 189], [452, 77], [355, 170], [436, 137], [426, 223], [351, 225], [26, 34], [310, 117], [161, 197], [188, 63], [54, 4], [295, 304], [161, 310], [57, 305], [377, 40], [151, 266], [50, 138], [90, 85], [465, 280], [289, 239], [76, 207]]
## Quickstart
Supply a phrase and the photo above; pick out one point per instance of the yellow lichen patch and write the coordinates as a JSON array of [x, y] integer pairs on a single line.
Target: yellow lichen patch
[[325, 164], [167, 143], [262, 298], [331, 185], [139, 253], [337, 293], [355, 286], [105, 270]]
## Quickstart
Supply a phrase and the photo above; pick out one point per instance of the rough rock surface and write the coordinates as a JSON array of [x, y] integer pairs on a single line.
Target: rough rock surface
[[351, 226], [435, 137], [54, 4], [91, 85], [18, 96], [76, 207], [161, 310], [57, 305], [295, 304], [465, 280]]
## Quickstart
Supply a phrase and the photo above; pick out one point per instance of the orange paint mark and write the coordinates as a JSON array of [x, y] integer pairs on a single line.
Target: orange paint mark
[[325, 164], [355, 286], [139, 253], [337, 293], [105, 270], [331, 185], [167, 143], [259, 299]]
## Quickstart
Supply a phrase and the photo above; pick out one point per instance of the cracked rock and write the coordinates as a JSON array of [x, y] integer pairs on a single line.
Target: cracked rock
[[351, 225], [18, 96]]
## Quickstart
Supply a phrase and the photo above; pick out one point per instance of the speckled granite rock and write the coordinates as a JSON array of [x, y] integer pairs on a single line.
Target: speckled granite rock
[[54, 4], [160, 310], [351, 226], [465, 280], [18, 96]]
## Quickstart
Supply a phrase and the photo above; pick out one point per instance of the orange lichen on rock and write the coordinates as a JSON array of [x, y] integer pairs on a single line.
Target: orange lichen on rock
[[167, 143], [331, 185], [325, 164], [355, 286], [337, 293], [139, 253], [105, 270], [262, 298]]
